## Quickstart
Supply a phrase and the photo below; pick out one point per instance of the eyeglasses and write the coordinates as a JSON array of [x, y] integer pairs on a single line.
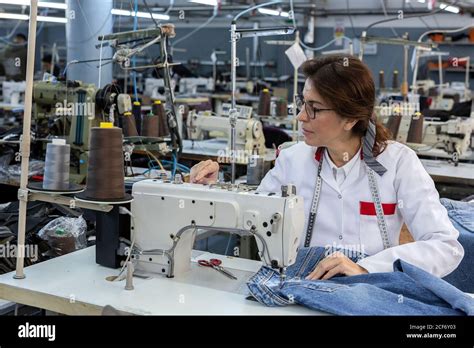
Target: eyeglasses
[[310, 109]]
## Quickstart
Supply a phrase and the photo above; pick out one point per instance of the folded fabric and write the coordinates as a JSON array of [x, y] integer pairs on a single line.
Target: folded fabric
[[461, 215], [408, 290]]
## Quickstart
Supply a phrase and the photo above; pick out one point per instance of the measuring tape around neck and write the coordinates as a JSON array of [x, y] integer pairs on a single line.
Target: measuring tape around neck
[[374, 190]]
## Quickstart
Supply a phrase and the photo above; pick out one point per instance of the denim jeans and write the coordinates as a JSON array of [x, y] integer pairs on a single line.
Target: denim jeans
[[461, 215], [406, 291]]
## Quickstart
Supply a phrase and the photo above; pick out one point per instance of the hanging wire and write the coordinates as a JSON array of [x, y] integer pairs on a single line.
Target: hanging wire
[[209, 20]]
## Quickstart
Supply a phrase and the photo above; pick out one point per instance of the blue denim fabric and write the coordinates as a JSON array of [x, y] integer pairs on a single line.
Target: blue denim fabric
[[406, 291], [461, 215]]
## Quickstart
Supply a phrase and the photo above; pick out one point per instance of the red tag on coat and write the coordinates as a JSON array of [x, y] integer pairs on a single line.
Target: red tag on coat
[[368, 208]]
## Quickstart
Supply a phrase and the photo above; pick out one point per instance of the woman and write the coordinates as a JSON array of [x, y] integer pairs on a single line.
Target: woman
[[345, 164]]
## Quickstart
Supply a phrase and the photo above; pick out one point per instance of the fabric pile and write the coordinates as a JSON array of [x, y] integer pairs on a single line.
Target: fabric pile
[[407, 290]]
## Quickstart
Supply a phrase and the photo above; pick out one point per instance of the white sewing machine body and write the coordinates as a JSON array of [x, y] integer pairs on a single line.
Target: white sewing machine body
[[249, 140], [193, 85], [162, 209], [14, 92], [453, 135], [155, 88]]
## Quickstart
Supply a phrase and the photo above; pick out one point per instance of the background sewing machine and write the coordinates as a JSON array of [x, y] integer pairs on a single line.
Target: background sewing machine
[[250, 139], [166, 216], [13, 92], [69, 109], [425, 132], [193, 85], [452, 136], [155, 88]]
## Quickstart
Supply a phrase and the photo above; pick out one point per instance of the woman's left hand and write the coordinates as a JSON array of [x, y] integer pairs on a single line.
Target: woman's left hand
[[336, 263]]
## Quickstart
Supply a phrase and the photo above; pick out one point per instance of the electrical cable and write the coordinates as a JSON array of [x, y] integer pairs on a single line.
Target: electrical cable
[[195, 30], [151, 13], [382, 2], [324, 45], [255, 7], [407, 17], [350, 18], [156, 159]]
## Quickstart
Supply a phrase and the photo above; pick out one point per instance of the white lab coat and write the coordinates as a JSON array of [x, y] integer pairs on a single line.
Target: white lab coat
[[406, 190]]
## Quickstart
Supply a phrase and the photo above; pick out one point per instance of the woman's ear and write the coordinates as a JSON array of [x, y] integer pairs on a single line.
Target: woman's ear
[[349, 124]]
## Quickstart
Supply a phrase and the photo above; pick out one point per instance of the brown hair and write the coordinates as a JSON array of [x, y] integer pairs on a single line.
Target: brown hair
[[347, 85]]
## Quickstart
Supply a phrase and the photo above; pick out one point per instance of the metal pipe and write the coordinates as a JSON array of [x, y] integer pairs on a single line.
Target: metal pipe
[[361, 45], [295, 92], [415, 70], [233, 111], [405, 73], [247, 63], [440, 74], [468, 72], [255, 44], [25, 141]]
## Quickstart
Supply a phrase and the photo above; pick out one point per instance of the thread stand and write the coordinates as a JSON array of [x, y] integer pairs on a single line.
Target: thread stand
[[57, 198], [82, 198], [37, 187]]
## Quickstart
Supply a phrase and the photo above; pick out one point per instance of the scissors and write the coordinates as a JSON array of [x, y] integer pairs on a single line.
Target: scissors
[[216, 264]]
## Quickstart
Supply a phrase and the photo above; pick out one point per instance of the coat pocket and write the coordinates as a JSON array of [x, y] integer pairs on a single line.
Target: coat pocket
[[370, 235]]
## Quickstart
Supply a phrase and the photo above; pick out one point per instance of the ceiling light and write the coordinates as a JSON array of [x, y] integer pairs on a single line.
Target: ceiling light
[[449, 8], [205, 2], [138, 14], [273, 12], [58, 5], [24, 17]]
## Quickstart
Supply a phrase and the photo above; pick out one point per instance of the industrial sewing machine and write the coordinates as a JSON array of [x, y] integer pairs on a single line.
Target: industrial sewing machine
[[193, 85], [166, 216], [408, 125], [13, 92], [155, 88], [249, 140], [453, 136], [70, 109]]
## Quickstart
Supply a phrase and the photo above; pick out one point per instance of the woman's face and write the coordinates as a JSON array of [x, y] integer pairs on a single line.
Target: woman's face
[[327, 128]]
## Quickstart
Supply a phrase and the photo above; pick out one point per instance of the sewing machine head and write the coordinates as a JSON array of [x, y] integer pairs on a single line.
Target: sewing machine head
[[249, 133], [167, 216]]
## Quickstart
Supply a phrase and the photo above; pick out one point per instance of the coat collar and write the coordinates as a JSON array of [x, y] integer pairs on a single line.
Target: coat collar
[[328, 177]]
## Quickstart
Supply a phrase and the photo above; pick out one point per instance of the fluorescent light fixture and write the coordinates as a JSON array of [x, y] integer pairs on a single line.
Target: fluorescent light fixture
[[273, 12], [24, 17], [422, 1], [58, 5], [205, 2], [449, 8], [138, 14], [14, 16], [52, 19]]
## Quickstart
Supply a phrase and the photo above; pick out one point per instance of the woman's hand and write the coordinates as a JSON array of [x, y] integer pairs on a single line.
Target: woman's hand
[[336, 263], [205, 172]]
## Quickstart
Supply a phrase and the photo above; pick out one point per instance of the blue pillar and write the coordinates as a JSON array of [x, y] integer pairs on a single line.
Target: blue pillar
[[87, 19]]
